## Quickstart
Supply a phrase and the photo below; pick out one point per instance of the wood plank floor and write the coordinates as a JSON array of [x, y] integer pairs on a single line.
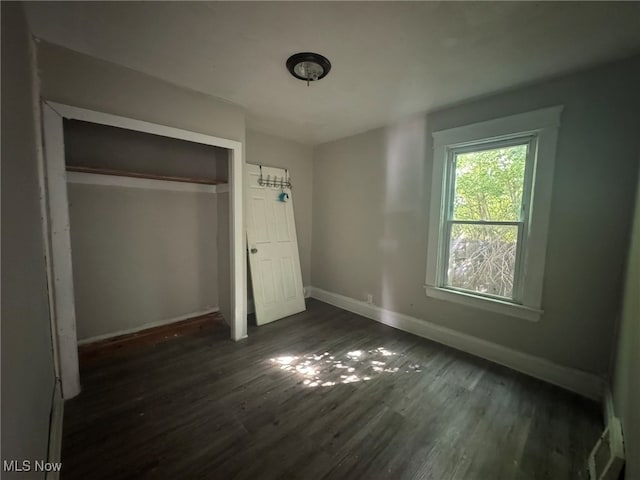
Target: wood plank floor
[[324, 394]]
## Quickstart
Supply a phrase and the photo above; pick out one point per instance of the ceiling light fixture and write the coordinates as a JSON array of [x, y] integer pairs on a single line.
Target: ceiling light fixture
[[308, 67]]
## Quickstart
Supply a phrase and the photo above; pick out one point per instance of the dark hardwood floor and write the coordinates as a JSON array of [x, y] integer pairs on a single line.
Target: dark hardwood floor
[[325, 394]]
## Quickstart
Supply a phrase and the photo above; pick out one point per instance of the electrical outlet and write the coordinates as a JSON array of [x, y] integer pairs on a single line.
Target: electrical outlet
[[369, 299]]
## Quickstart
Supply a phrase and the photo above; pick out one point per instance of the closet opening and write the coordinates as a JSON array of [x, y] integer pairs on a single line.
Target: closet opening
[[149, 245]]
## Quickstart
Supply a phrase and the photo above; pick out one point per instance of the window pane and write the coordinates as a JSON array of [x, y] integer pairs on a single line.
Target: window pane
[[482, 258], [489, 184]]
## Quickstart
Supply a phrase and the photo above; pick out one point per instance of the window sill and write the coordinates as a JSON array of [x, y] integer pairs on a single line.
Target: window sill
[[484, 303]]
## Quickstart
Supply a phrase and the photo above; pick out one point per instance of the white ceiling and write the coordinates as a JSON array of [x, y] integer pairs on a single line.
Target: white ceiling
[[389, 59]]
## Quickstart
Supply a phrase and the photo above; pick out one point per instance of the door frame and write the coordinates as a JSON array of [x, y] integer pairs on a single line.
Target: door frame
[[57, 228]]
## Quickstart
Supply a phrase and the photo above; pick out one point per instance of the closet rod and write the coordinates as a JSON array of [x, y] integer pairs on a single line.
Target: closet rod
[[123, 173]]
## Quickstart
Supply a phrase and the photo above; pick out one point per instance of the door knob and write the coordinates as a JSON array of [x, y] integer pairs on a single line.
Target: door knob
[[254, 250]]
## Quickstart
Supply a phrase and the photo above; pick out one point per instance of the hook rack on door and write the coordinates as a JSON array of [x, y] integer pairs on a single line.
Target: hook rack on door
[[275, 181]]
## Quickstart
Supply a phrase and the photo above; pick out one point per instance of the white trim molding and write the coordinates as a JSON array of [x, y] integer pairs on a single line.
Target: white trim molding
[[100, 179], [540, 129], [63, 310], [237, 244], [77, 113], [614, 425], [607, 457], [501, 127], [578, 381], [145, 326], [54, 453], [477, 301]]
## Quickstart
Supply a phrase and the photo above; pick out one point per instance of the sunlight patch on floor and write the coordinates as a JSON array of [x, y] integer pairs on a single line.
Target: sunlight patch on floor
[[326, 369]]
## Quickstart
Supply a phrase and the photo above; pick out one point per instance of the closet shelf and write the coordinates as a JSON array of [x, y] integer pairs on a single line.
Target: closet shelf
[[124, 173]]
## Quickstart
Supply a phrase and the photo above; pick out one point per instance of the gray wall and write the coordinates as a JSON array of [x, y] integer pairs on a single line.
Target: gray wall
[[371, 204], [263, 149], [140, 256], [626, 381], [27, 361], [83, 81]]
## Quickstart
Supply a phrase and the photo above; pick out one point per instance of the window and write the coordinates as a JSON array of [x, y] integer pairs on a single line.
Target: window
[[489, 212]]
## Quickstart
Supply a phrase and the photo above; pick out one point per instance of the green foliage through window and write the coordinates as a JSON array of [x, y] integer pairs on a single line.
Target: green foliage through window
[[488, 186]]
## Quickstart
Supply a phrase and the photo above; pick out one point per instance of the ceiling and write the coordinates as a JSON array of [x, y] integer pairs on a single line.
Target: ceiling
[[390, 59]]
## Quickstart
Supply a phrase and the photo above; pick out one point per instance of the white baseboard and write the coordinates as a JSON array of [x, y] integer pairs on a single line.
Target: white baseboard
[[583, 383], [55, 431], [613, 424], [145, 326], [607, 457], [251, 308], [609, 408]]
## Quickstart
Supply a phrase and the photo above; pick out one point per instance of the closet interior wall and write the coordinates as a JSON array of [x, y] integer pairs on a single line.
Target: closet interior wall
[[144, 252]]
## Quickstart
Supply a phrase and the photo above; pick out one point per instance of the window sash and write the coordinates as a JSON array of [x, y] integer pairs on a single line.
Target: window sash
[[517, 266], [523, 224]]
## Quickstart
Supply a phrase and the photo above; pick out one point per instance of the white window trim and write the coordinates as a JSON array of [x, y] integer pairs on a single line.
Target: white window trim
[[544, 124]]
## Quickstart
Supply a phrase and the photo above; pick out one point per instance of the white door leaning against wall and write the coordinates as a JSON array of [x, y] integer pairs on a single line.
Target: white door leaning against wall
[[273, 246]]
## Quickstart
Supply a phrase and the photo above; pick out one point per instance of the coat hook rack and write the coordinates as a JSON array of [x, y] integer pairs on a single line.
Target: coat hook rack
[[275, 182]]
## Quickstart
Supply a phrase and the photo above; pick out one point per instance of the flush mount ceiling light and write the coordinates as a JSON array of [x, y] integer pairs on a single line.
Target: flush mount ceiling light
[[308, 66]]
